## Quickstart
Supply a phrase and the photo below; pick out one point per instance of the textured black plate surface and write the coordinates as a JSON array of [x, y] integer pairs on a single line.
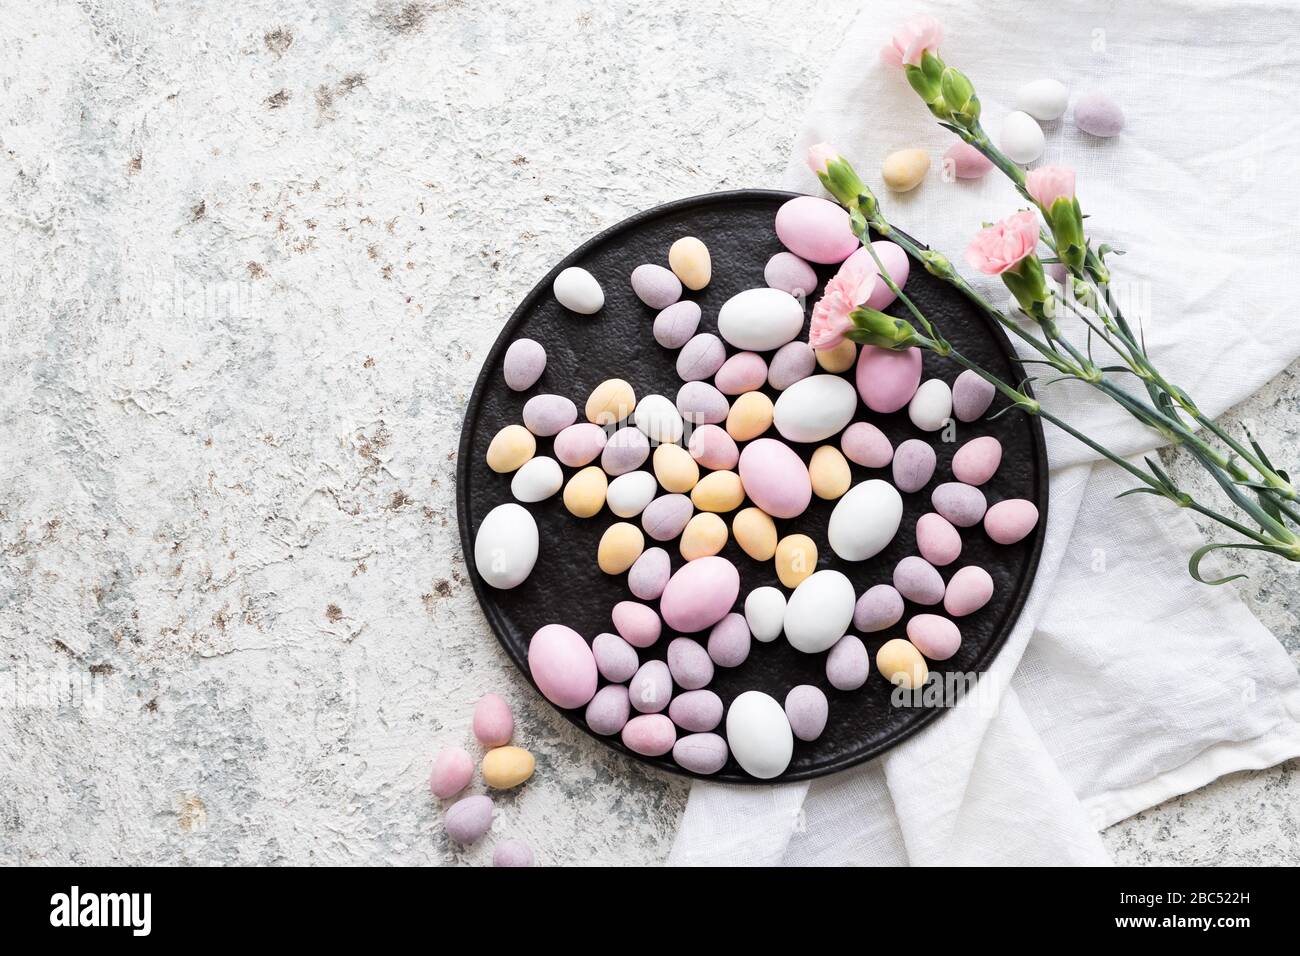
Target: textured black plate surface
[[567, 587]]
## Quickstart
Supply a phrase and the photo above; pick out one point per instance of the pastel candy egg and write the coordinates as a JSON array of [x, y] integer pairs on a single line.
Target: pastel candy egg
[[968, 591], [971, 396], [914, 464], [628, 494], [505, 547], [658, 419], [792, 362], [743, 372], [759, 735], [609, 710], [750, 416], [626, 450], [512, 853], [689, 663], [713, 448], [537, 479], [524, 363], [675, 468], [718, 491], [689, 259], [931, 406], [651, 687], [937, 540], [649, 573], [917, 580], [790, 274], [900, 663], [656, 286], [704, 535], [666, 516], [755, 532], [894, 262], [729, 643], [620, 546], [578, 291], [765, 613], [775, 478], [510, 448], [936, 637], [819, 611], [468, 820], [806, 710], [964, 161], [651, 735], [760, 320], [584, 495], [507, 767], [610, 402], [848, 665], [976, 461], [1043, 99], [815, 229], [865, 444], [615, 658], [865, 520], [815, 408], [838, 359], [701, 404], [562, 666], [796, 559], [579, 444], [701, 753], [701, 357], [637, 624], [829, 473], [904, 169], [1098, 115], [879, 608], [493, 722], [1021, 138], [453, 769], [886, 379], [700, 594], [675, 325], [962, 505], [696, 711], [1008, 521], [547, 415]]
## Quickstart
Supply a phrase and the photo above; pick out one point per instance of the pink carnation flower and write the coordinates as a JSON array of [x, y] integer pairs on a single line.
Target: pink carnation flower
[[1003, 245], [846, 290], [1050, 183], [820, 156], [918, 34]]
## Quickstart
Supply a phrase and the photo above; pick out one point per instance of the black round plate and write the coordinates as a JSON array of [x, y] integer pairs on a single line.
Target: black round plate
[[567, 587]]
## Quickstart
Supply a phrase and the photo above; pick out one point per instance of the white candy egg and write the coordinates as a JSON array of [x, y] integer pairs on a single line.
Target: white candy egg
[[578, 291], [537, 480], [819, 612], [765, 613], [505, 548], [658, 419], [1021, 138], [1043, 99], [628, 494], [931, 406], [758, 320], [815, 408], [759, 735], [865, 520]]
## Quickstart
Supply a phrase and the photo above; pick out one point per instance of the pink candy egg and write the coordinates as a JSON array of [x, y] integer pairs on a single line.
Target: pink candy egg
[[934, 636], [789, 273], [689, 663], [701, 753], [512, 853], [963, 505], [968, 591], [792, 362], [937, 540], [775, 478], [976, 461], [675, 325], [713, 448], [648, 575], [806, 709], [579, 444], [608, 711], [616, 659], [562, 666], [638, 624], [701, 404], [666, 516], [886, 379], [696, 711], [467, 820], [1009, 521], [493, 721], [453, 769], [651, 687], [880, 607], [918, 580], [914, 464], [651, 735], [743, 372], [815, 229], [865, 444], [897, 264], [729, 641], [848, 664], [971, 396], [700, 357], [700, 594], [965, 161]]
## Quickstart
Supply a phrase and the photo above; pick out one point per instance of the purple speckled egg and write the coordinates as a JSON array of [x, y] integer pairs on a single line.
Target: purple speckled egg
[[700, 594], [968, 591], [701, 753], [848, 664], [914, 464], [562, 666], [700, 357], [963, 505], [609, 710], [580, 444], [701, 404], [971, 396], [656, 286], [880, 607], [651, 735], [453, 769], [493, 722], [886, 379], [789, 273], [468, 820], [651, 687], [1098, 115], [696, 711], [524, 363], [792, 363], [918, 580], [675, 325], [615, 658], [636, 623], [934, 636], [815, 229], [806, 709], [665, 517], [689, 663], [547, 415], [937, 539], [1008, 521], [977, 461], [729, 641], [648, 575], [512, 853], [865, 444], [625, 451], [713, 448], [743, 372], [775, 478]]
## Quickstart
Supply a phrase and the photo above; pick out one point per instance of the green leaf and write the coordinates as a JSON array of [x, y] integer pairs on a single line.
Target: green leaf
[[1194, 563], [1141, 490]]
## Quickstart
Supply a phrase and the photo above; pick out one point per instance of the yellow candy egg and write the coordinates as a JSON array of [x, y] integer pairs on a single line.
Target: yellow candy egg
[[796, 559], [690, 262], [676, 469], [611, 401], [718, 491], [510, 448], [829, 471], [905, 169], [838, 359], [900, 663], [584, 495], [705, 535], [750, 416], [506, 767], [620, 546], [755, 532]]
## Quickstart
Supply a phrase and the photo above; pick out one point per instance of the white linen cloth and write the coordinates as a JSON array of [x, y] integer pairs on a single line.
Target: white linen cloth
[[1124, 682]]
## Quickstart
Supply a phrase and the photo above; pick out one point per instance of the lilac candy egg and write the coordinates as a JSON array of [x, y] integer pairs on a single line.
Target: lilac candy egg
[[512, 853], [966, 162], [648, 575], [651, 687], [880, 607], [886, 379], [701, 404], [562, 666], [729, 641], [806, 709], [971, 396], [968, 591], [935, 637], [626, 451], [547, 415], [701, 753], [580, 444], [865, 444], [918, 580], [656, 286], [775, 478], [815, 229], [689, 663], [651, 735], [615, 658], [1098, 115], [937, 539], [713, 448], [897, 264], [469, 819], [700, 594], [743, 372], [701, 357], [493, 722], [452, 771], [976, 461], [665, 517], [524, 363], [1009, 521], [675, 325], [914, 464], [848, 664], [696, 711], [789, 273], [638, 624], [961, 504], [609, 710], [792, 363]]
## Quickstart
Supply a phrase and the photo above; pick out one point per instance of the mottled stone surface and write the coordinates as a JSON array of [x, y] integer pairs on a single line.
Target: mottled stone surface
[[255, 253]]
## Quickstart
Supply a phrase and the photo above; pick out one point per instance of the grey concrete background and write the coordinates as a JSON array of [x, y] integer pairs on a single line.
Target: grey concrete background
[[255, 254]]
